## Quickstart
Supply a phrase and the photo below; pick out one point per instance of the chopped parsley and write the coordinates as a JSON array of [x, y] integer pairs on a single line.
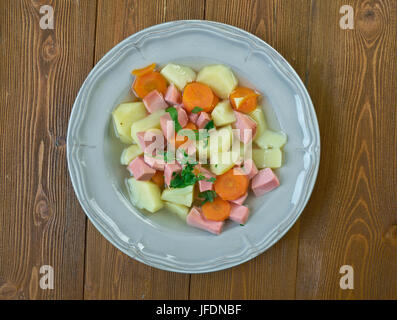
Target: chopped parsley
[[184, 178], [174, 116], [210, 125], [208, 196], [197, 110]]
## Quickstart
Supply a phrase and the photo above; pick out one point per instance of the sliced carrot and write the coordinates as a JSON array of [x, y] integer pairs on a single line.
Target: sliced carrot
[[249, 102], [141, 72], [198, 94], [179, 140], [231, 186], [218, 210], [215, 101], [148, 82], [158, 178]]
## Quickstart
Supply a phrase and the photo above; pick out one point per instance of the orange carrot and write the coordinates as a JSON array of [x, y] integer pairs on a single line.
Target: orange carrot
[[230, 186], [218, 210], [179, 140], [249, 102], [198, 94], [148, 82], [141, 72], [158, 178]]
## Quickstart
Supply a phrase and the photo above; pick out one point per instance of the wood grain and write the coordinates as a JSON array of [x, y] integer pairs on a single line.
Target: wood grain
[[109, 273], [41, 220], [351, 218], [285, 26]]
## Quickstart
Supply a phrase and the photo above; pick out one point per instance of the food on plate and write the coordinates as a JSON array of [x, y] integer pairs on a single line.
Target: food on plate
[[197, 144]]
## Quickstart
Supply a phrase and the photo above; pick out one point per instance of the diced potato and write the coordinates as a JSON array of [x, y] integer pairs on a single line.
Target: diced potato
[[123, 117], [221, 140], [222, 162], [271, 139], [223, 114], [219, 78], [259, 117], [152, 121], [178, 75], [183, 196], [180, 210], [267, 158], [145, 195], [130, 154]]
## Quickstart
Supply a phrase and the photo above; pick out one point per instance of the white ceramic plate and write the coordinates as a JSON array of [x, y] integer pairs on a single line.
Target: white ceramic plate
[[161, 239]]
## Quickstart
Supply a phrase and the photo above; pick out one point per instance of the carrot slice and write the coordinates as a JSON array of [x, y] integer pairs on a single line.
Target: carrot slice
[[182, 139], [230, 186], [249, 102], [218, 210], [198, 94], [148, 82], [141, 72], [158, 178]]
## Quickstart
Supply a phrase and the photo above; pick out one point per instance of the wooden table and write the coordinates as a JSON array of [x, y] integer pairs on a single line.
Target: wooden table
[[351, 218]]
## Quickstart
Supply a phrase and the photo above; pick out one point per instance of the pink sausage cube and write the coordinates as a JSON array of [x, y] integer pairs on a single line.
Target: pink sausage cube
[[202, 120], [167, 126], [239, 213], [140, 170], [182, 116], [150, 138], [170, 169], [154, 101], [155, 161], [240, 200], [203, 184], [264, 181], [249, 168], [193, 117], [173, 95], [196, 219], [246, 127]]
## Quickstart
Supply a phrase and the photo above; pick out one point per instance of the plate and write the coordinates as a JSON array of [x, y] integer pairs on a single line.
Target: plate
[[161, 240]]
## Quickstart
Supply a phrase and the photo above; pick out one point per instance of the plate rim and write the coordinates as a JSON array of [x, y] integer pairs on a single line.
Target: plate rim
[[283, 67]]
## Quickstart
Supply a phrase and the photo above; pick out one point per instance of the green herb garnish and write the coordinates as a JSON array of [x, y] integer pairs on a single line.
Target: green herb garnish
[[174, 116], [197, 110], [212, 179], [210, 125], [184, 178], [208, 195], [242, 225]]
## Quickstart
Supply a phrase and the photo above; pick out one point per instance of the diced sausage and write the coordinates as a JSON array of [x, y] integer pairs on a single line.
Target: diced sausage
[[239, 213], [154, 101], [202, 120], [240, 200], [246, 127], [173, 95], [196, 219], [169, 170], [264, 181], [140, 170]]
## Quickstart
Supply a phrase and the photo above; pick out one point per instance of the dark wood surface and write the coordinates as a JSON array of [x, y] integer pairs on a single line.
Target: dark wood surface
[[351, 218]]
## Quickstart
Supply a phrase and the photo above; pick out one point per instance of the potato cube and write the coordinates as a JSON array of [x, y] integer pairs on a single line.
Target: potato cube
[[267, 158], [178, 75], [130, 154], [223, 114], [219, 78], [124, 116], [145, 195]]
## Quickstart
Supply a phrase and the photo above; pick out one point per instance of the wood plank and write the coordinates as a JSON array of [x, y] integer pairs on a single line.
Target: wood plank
[[41, 222], [352, 216], [111, 274], [284, 25]]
